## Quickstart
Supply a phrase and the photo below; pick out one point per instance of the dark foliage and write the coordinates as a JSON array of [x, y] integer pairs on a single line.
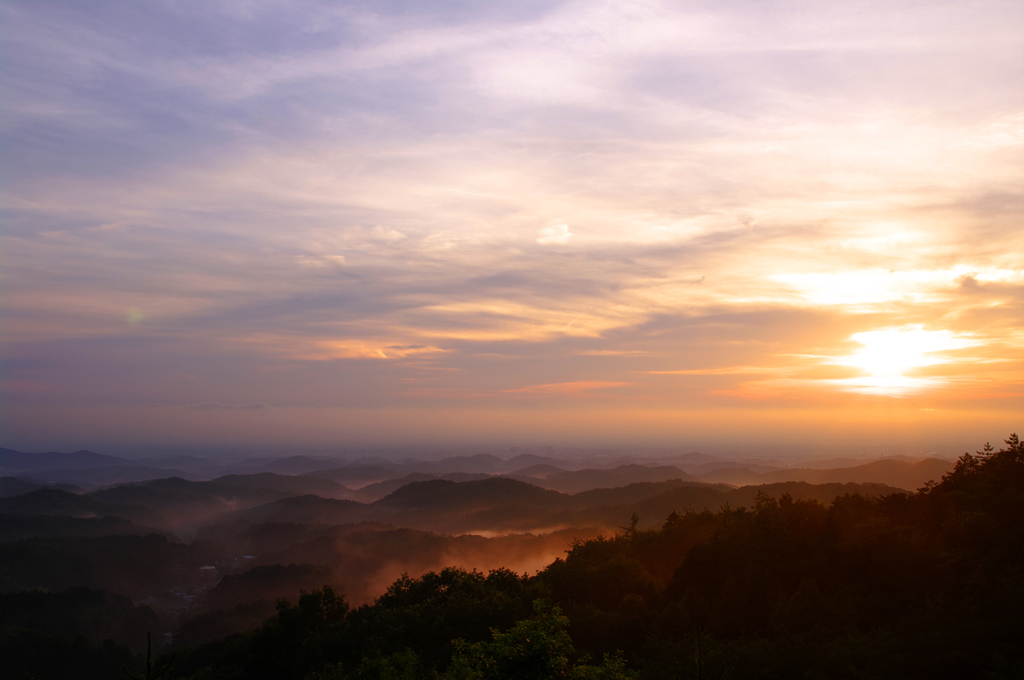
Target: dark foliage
[[17, 527], [221, 623], [32, 654], [97, 615], [270, 581], [921, 585], [132, 565]]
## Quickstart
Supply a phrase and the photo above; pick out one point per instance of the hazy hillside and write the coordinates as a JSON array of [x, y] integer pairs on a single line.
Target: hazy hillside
[[374, 492], [16, 460], [307, 509], [823, 493], [183, 503], [365, 560], [506, 505], [268, 582], [581, 480], [535, 472], [442, 494], [358, 476], [374, 478], [475, 503], [292, 484], [17, 527], [785, 586], [12, 486], [258, 541], [902, 474], [630, 493], [56, 502], [294, 465], [98, 477]]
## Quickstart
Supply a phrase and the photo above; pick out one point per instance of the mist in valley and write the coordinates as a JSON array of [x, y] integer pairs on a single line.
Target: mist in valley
[[200, 558]]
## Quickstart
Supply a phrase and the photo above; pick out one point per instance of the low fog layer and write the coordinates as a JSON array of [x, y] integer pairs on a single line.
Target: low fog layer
[[210, 545]]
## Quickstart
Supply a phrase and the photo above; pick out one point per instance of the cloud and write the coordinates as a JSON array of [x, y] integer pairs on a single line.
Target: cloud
[[344, 205], [319, 261], [568, 388], [220, 406], [559, 233]]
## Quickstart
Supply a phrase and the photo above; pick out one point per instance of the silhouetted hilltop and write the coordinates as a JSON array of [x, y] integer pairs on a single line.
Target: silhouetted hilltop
[[16, 460], [66, 504], [788, 579], [95, 477], [374, 492], [581, 480], [442, 494], [17, 527], [12, 486], [270, 582], [698, 497], [181, 502], [631, 493], [240, 536], [94, 470], [480, 463], [501, 504], [366, 558], [292, 484], [307, 509], [746, 496], [295, 465], [185, 461], [903, 474], [358, 475], [525, 460], [537, 471]]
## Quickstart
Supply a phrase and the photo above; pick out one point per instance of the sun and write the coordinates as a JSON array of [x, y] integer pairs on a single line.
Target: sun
[[887, 356]]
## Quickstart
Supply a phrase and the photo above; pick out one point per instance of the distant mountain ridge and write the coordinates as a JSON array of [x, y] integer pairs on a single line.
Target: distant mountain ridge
[[372, 478], [502, 504], [898, 473], [307, 509], [454, 502], [58, 503], [297, 484], [582, 480], [12, 486], [11, 460]]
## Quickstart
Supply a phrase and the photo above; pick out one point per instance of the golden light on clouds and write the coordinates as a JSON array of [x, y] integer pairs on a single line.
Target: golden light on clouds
[[579, 387], [887, 358], [865, 287], [640, 212]]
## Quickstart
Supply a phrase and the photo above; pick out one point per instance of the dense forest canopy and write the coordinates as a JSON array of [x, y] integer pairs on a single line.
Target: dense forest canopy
[[902, 585]]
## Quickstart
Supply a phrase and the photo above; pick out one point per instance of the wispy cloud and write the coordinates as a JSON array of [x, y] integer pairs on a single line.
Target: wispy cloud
[[568, 388], [216, 405], [320, 206]]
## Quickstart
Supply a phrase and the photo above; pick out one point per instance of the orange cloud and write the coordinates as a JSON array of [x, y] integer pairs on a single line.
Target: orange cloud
[[577, 387]]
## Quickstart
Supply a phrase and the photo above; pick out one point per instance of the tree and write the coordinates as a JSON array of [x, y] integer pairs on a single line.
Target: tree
[[163, 666], [538, 648]]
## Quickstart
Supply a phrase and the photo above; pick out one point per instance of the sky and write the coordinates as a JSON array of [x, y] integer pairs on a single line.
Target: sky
[[728, 226]]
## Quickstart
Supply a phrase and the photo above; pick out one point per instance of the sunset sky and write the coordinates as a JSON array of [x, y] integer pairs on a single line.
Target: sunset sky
[[727, 226]]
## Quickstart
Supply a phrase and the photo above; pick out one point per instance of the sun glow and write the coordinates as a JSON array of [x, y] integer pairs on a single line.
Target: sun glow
[[887, 356]]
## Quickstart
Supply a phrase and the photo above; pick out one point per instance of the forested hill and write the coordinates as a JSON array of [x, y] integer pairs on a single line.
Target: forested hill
[[922, 585]]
